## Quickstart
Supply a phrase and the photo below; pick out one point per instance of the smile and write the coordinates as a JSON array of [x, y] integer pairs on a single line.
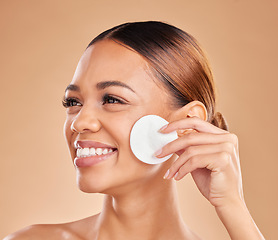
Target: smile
[[88, 152]]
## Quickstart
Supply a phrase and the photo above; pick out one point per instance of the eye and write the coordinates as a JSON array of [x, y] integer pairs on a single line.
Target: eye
[[108, 99], [71, 102]]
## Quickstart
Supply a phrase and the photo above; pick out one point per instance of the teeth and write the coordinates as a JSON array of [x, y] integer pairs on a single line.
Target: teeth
[[87, 152], [78, 152], [99, 151], [92, 151]]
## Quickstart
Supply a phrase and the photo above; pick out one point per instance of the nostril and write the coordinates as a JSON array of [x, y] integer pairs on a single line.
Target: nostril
[[72, 127], [85, 121], [78, 127]]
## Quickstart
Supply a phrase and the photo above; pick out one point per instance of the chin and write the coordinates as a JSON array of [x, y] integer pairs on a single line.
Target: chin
[[117, 179], [91, 185], [99, 184], [111, 185]]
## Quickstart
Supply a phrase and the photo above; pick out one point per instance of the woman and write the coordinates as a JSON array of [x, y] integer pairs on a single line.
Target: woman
[[127, 72]]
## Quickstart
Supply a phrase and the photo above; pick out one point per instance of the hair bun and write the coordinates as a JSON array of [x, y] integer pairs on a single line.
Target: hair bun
[[219, 121]]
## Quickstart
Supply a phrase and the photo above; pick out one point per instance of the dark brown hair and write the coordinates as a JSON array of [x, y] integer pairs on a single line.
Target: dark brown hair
[[175, 58]]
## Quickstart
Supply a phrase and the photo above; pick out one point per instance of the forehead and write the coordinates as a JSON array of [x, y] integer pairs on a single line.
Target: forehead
[[108, 60]]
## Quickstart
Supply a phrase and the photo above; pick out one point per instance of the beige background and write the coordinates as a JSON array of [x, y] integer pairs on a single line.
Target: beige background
[[41, 42]]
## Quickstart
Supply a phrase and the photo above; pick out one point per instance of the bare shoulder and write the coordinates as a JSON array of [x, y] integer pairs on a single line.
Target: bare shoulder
[[77, 230], [43, 231]]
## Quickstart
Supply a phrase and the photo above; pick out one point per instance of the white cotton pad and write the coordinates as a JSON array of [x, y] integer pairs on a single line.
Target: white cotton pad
[[145, 139]]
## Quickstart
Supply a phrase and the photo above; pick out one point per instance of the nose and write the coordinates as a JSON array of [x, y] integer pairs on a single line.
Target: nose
[[85, 121]]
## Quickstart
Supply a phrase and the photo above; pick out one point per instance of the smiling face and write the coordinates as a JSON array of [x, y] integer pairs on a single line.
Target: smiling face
[[110, 91]]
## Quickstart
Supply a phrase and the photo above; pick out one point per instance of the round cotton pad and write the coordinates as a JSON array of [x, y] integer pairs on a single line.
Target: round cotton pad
[[145, 139]]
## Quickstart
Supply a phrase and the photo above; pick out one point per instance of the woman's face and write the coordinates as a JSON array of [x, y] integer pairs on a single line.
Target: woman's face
[[109, 92]]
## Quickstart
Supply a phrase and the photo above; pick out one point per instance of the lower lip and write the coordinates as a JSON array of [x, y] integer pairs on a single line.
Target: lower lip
[[93, 160]]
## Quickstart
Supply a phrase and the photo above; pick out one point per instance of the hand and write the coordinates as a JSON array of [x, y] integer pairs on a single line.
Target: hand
[[210, 154]]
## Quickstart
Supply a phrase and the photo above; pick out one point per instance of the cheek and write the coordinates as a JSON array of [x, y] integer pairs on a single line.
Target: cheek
[[127, 162], [120, 130]]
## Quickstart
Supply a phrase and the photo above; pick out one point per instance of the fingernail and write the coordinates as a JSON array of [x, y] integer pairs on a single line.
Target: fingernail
[[158, 152], [166, 174], [176, 175], [161, 129]]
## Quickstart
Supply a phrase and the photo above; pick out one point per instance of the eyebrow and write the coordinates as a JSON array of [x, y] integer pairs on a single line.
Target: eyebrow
[[106, 84], [100, 86], [72, 87]]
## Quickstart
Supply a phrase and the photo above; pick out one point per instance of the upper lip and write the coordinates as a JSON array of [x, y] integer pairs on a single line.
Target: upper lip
[[91, 144]]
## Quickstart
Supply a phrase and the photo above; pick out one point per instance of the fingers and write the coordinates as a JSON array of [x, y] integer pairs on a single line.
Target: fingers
[[192, 123], [197, 139], [208, 149], [212, 157], [192, 151], [222, 160]]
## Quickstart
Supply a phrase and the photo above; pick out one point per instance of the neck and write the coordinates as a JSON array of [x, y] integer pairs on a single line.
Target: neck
[[145, 212]]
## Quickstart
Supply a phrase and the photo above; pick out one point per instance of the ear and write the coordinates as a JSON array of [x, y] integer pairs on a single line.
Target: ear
[[192, 109]]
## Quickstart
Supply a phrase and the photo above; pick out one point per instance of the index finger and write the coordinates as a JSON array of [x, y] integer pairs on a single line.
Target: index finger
[[192, 123]]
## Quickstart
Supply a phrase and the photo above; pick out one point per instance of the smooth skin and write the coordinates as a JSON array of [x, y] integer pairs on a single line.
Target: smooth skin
[[140, 203]]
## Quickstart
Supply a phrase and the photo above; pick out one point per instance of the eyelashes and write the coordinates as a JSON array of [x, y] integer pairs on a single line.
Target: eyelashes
[[70, 102], [106, 99], [109, 99]]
